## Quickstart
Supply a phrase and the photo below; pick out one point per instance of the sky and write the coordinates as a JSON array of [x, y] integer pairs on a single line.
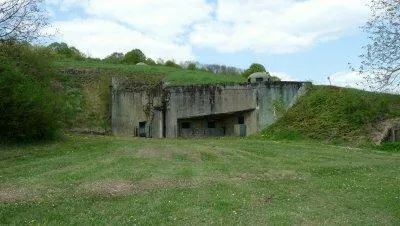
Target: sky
[[303, 40]]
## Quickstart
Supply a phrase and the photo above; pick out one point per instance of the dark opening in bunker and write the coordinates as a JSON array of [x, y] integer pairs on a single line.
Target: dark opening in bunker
[[212, 125], [142, 129], [241, 120]]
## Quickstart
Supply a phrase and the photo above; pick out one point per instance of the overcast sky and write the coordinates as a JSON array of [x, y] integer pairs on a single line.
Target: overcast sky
[[296, 39]]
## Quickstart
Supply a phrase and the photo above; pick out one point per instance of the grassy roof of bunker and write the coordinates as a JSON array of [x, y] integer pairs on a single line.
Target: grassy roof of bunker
[[153, 74]]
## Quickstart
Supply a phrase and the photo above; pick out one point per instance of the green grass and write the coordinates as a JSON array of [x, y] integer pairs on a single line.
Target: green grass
[[174, 76], [107, 180], [336, 115]]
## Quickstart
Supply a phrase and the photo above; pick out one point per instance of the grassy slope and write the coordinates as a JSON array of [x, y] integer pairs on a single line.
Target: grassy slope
[[335, 114], [220, 181], [174, 76]]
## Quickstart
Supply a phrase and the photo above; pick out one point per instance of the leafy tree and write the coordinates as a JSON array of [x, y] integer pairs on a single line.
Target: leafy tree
[[381, 61], [171, 63], [30, 107], [135, 56], [150, 61], [62, 50], [22, 19], [253, 69], [115, 58], [192, 66]]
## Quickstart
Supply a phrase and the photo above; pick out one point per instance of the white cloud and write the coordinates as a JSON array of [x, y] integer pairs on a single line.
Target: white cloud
[[283, 76], [350, 79], [277, 26], [100, 38], [170, 28], [354, 79]]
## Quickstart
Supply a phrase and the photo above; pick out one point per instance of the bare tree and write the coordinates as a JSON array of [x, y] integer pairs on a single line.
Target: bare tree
[[22, 19], [381, 59]]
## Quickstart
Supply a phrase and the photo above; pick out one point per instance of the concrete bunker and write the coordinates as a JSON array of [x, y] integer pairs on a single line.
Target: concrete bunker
[[213, 125], [160, 110]]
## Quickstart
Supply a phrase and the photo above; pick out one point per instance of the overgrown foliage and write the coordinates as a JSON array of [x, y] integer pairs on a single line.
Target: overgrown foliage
[[171, 63], [62, 51], [30, 108], [334, 114], [114, 58], [135, 56], [253, 69]]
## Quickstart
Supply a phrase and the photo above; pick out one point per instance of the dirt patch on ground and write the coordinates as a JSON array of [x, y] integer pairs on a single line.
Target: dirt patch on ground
[[13, 195], [108, 187], [122, 187], [272, 174]]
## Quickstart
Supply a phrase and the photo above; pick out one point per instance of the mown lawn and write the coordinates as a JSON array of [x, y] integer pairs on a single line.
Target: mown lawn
[[107, 180]]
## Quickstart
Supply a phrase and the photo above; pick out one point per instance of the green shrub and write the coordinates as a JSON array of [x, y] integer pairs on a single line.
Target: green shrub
[[171, 63], [62, 51], [192, 67], [30, 109], [135, 56], [253, 69], [150, 61], [114, 58]]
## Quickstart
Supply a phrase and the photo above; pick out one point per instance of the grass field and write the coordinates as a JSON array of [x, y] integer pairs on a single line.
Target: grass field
[[174, 76], [108, 180]]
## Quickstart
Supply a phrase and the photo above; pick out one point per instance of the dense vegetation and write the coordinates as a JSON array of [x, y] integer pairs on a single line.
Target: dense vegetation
[[30, 107], [335, 114], [92, 180]]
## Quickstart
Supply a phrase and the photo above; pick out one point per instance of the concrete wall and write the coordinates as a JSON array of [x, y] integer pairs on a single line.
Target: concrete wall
[[167, 107], [203, 100], [272, 93], [132, 103]]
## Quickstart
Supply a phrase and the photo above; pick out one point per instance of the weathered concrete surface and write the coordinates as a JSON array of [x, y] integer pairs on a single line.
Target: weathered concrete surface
[[272, 94], [132, 103], [164, 109], [204, 100]]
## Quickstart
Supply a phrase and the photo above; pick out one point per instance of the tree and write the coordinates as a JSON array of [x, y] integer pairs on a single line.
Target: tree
[[115, 58], [150, 61], [135, 56], [253, 69], [62, 50], [171, 63], [31, 106], [191, 66], [381, 61], [22, 20]]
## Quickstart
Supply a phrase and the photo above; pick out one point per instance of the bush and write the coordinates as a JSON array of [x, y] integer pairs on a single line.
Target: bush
[[171, 63], [62, 50], [150, 61], [29, 107], [192, 67], [253, 69], [135, 56], [114, 58]]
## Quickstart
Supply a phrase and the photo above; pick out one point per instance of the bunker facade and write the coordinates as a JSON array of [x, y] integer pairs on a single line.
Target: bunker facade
[[198, 110]]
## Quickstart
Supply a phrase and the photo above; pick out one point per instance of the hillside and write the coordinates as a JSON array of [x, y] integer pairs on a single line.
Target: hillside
[[174, 76], [335, 114]]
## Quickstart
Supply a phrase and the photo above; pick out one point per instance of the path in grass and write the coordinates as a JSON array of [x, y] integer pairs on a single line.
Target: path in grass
[[106, 180]]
